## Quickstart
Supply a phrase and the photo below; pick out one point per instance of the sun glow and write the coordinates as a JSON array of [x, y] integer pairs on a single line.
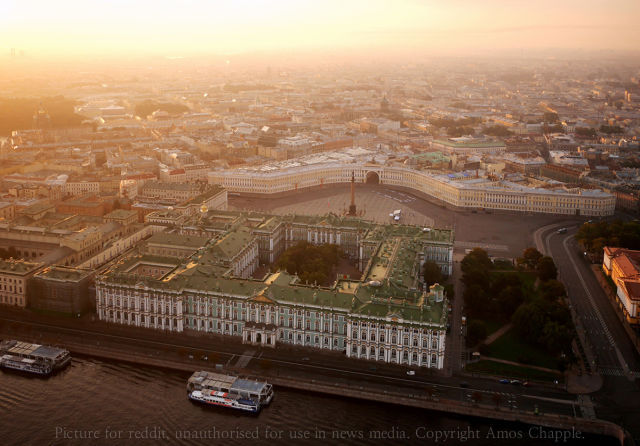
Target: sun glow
[[196, 26]]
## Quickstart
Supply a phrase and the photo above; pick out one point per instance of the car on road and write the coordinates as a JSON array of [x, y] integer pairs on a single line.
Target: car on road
[[504, 381], [410, 372], [516, 382], [526, 384], [305, 359], [562, 231]]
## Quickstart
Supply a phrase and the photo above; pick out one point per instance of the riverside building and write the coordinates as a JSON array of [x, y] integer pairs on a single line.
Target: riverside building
[[386, 315]]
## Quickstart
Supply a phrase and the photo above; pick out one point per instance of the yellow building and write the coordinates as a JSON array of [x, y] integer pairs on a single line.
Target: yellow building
[[455, 189]]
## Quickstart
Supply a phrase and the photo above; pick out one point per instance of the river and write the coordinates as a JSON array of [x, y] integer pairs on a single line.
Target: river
[[93, 402]]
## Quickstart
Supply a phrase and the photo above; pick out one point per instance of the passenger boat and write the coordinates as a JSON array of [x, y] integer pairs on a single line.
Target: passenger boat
[[216, 389], [32, 358]]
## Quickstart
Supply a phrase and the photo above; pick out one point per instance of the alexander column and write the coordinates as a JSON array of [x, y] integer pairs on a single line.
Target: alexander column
[[352, 206]]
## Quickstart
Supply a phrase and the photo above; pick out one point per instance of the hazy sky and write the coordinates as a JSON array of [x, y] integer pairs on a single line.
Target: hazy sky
[[55, 27]]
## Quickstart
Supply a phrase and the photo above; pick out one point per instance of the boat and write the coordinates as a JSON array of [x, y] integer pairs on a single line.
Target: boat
[[32, 358], [217, 389]]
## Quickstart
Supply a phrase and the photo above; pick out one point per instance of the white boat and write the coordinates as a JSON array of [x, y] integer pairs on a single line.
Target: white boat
[[32, 358], [216, 389], [213, 398]]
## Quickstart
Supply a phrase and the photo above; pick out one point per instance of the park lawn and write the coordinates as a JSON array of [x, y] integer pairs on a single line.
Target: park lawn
[[510, 347], [511, 371]]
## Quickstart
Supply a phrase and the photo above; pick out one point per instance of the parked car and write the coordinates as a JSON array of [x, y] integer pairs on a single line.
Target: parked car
[[411, 372], [516, 382], [504, 381]]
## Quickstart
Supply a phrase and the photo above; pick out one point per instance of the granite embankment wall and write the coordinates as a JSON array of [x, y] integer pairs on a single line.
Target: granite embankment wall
[[599, 427]]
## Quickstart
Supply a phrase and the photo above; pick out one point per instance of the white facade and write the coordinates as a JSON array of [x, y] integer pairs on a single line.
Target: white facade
[[459, 193]]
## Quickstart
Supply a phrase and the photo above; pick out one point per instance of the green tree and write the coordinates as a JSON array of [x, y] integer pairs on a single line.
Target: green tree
[[476, 300], [528, 321], [586, 131], [476, 332], [546, 269], [497, 130], [509, 299], [551, 290], [530, 258], [432, 273], [475, 268], [312, 263]]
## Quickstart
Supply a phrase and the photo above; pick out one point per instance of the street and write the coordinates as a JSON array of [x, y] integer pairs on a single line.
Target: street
[[607, 346]]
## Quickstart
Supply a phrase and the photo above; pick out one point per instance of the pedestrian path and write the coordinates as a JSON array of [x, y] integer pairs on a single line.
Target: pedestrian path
[[244, 359], [496, 334]]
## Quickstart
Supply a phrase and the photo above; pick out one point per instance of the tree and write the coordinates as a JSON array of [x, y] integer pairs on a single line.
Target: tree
[[586, 131], [475, 268], [476, 332], [312, 263], [551, 290], [555, 337], [432, 273], [546, 269], [530, 258], [476, 300], [145, 108], [497, 130], [509, 299], [528, 321]]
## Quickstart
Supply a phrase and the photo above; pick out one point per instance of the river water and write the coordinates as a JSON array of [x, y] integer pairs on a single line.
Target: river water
[[93, 402]]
